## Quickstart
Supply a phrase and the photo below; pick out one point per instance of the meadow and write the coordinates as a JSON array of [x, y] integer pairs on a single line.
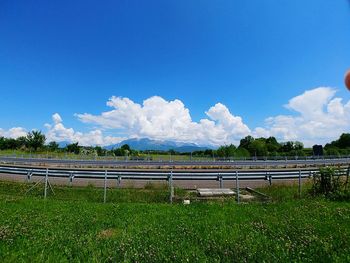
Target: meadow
[[140, 226]]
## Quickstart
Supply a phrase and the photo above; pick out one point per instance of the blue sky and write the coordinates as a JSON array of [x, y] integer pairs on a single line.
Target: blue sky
[[253, 57]]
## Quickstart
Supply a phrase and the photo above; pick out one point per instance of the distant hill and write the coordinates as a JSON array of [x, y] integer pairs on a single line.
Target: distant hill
[[63, 144], [144, 144]]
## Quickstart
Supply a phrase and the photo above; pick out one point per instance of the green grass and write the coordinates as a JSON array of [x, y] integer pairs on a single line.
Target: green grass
[[151, 194], [64, 155], [82, 229]]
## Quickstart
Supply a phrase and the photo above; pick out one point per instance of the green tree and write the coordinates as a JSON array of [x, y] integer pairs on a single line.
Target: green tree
[[226, 151], [208, 152], [287, 146], [272, 145], [291, 148], [258, 147], [246, 141], [333, 151], [242, 152], [7, 143], [21, 142], [35, 140], [298, 146], [53, 146], [220, 152], [344, 141], [100, 151], [118, 152], [126, 147], [73, 148]]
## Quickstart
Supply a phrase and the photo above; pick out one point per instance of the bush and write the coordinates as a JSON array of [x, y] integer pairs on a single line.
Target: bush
[[328, 182]]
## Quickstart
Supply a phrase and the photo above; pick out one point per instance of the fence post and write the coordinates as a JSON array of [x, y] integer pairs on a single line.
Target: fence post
[[299, 189], [237, 187], [105, 188], [119, 180], [171, 186], [46, 180], [220, 181], [29, 176]]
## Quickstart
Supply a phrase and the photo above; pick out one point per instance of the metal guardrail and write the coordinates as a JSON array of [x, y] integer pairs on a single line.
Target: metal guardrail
[[165, 175], [161, 175], [117, 163], [281, 174]]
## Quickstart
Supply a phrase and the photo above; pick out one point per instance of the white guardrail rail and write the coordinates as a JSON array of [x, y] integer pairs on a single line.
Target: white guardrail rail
[[164, 175]]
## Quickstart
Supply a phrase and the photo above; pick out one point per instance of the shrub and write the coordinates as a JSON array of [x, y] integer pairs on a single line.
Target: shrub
[[328, 182]]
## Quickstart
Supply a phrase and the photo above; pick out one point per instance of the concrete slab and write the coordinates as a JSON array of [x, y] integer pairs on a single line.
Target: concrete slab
[[215, 192], [246, 197]]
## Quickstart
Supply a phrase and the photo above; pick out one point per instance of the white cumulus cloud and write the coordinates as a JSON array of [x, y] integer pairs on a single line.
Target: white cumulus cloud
[[13, 132], [56, 118], [321, 117], [160, 119], [59, 133]]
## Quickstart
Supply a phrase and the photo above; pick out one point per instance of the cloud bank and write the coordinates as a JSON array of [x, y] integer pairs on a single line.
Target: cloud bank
[[159, 119], [316, 116], [321, 117]]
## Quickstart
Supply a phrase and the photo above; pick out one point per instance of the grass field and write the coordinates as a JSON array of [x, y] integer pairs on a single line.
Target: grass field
[[64, 155], [139, 226]]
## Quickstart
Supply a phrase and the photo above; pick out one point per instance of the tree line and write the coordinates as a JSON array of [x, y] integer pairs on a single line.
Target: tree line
[[35, 141], [270, 147], [248, 147]]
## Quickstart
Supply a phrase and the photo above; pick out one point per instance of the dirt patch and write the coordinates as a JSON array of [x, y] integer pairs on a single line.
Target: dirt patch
[[108, 233]]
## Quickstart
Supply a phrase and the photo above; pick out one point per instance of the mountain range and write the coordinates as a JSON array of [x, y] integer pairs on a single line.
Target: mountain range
[[143, 144]]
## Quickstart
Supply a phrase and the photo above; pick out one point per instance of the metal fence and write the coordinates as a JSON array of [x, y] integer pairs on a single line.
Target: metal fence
[[164, 175]]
